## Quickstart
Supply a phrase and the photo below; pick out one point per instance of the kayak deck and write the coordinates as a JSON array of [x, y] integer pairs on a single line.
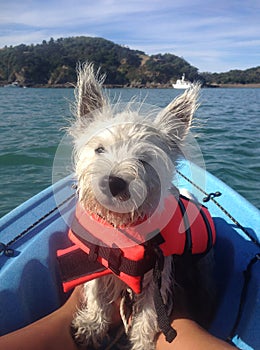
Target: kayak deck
[[30, 284]]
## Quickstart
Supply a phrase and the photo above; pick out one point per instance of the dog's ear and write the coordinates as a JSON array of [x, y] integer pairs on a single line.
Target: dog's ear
[[88, 92], [175, 120]]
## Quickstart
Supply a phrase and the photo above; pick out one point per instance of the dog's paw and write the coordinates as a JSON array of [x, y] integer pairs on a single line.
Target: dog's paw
[[87, 333], [143, 332]]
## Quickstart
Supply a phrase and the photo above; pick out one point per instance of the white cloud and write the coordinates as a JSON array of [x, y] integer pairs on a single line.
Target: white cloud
[[207, 35]]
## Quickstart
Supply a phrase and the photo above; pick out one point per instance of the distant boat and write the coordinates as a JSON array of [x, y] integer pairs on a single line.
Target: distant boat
[[15, 84], [182, 83]]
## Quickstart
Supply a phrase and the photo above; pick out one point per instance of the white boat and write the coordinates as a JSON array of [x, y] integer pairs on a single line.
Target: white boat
[[182, 83], [15, 84]]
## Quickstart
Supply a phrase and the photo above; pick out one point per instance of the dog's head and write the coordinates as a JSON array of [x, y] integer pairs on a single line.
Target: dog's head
[[125, 155]]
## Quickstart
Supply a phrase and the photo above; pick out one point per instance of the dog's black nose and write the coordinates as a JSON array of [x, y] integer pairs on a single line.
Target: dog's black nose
[[113, 184], [117, 185]]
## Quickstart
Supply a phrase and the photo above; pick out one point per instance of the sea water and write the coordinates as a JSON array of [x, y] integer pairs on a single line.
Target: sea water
[[32, 123]]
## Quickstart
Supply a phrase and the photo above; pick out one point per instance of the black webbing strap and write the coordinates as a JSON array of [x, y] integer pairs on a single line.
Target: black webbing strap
[[77, 264], [188, 242], [207, 224], [113, 255], [162, 318], [209, 230]]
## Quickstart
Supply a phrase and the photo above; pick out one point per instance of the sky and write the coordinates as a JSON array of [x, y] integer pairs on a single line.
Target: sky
[[212, 35]]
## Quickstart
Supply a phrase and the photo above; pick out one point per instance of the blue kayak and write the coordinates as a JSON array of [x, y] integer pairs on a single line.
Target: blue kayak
[[30, 235]]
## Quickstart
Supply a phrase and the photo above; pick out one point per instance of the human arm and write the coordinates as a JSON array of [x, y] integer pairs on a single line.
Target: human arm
[[191, 336], [49, 333], [53, 332]]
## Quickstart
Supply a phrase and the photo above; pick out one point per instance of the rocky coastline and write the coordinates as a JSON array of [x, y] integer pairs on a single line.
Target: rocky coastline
[[128, 86]]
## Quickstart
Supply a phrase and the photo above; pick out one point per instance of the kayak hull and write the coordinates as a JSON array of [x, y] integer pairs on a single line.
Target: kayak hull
[[31, 288]]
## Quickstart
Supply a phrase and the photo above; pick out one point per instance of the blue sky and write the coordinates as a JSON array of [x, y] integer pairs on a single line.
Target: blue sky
[[214, 36]]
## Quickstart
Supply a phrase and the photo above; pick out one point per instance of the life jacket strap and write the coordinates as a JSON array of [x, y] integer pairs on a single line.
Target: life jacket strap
[[76, 267], [117, 262], [162, 317]]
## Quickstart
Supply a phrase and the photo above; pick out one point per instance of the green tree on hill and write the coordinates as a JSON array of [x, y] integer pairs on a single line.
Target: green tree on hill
[[53, 62]]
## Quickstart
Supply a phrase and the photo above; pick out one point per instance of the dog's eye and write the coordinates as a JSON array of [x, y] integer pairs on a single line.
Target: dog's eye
[[143, 162], [100, 150]]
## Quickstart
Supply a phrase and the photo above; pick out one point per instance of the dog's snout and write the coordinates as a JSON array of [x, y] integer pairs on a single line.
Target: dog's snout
[[116, 185]]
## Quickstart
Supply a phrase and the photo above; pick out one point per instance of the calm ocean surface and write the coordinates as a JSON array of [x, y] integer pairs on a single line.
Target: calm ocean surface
[[31, 122]]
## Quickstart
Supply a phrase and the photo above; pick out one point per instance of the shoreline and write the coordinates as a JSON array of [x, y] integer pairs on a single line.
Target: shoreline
[[130, 86], [230, 85]]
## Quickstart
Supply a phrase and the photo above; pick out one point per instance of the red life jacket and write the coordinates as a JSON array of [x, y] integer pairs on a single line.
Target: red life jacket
[[99, 249]]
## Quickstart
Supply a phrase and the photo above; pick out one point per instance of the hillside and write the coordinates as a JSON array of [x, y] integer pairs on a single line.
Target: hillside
[[248, 76], [53, 63]]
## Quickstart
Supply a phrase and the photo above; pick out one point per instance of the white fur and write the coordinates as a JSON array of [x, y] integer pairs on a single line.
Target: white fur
[[142, 152]]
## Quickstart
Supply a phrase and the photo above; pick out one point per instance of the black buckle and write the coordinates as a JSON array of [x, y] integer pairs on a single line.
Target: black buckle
[[114, 259], [93, 252]]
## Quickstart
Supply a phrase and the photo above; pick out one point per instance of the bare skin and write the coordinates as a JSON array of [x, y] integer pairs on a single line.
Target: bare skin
[[191, 336], [53, 333]]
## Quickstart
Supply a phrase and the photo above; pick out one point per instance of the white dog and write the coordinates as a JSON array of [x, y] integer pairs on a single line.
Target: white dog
[[125, 163]]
